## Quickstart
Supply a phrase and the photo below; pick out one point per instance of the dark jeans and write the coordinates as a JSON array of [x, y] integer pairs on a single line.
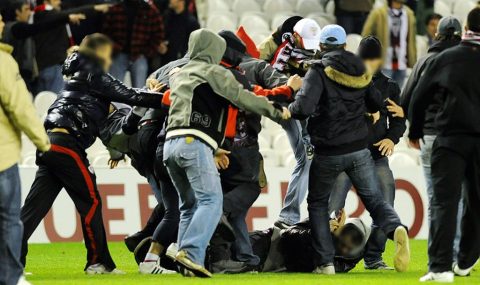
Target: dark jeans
[[241, 189], [167, 230], [66, 166], [454, 160], [10, 226], [352, 23], [360, 168], [386, 184]]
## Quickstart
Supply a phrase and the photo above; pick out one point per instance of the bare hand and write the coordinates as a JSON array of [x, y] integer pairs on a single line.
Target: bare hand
[[102, 8], [385, 147], [221, 159], [295, 82], [76, 18], [286, 114], [163, 48], [375, 117], [396, 110], [113, 163], [414, 143], [338, 222], [154, 85]]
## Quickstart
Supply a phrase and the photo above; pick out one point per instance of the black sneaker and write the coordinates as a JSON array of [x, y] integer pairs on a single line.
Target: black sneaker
[[142, 249], [282, 225], [379, 265]]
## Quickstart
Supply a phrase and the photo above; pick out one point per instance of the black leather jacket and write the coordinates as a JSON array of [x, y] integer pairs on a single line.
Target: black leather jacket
[[82, 107]]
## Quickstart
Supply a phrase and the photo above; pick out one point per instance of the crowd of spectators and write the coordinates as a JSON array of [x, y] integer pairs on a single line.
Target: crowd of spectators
[[146, 35]]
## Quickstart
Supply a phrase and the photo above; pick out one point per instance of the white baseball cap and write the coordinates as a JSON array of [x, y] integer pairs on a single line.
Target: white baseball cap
[[309, 31]]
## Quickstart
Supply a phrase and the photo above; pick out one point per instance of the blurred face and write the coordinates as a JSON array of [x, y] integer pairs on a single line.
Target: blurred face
[[373, 65], [56, 4], [432, 27], [2, 25], [105, 54], [397, 4], [176, 4], [345, 244], [23, 14]]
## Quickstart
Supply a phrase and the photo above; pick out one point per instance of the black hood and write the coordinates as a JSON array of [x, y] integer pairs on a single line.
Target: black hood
[[346, 69], [235, 50], [440, 46], [80, 62]]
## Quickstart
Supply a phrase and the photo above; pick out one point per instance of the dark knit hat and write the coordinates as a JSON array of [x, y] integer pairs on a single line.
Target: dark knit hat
[[370, 48], [233, 41]]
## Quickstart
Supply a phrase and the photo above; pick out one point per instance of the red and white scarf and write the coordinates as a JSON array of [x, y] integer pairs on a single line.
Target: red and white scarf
[[287, 52]]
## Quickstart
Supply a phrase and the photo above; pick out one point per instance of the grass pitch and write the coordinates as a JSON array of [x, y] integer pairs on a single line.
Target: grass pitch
[[62, 263]]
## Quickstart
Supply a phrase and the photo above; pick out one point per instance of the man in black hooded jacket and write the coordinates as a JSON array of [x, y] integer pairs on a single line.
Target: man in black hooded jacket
[[336, 94], [73, 123]]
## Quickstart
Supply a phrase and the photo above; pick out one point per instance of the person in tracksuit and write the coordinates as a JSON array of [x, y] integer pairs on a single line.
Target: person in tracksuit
[[336, 94], [452, 80], [201, 93], [449, 34], [384, 133], [73, 123]]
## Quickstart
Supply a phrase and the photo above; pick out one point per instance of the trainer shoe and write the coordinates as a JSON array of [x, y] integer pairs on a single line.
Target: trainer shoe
[[326, 269], [461, 272], [153, 267], [441, 277], [379, 265], [402, 249], [186, 262], [172, 251], [142, 249], [99, 268], [23, 281]]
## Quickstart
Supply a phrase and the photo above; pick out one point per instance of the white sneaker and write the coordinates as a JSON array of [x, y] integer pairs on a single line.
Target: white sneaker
[[153, 268], [101, 269], [327, 269], [441, 277], [461, 272], [172, 251], [402, 249], [23, 281]]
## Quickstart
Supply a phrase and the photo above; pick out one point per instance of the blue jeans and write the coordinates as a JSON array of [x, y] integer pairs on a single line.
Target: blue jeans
[[192, 169], [360, 168], [11, 228], [397, 75], [50, 79], [426, 146], [138, 69], [386, 184], [298, 184]]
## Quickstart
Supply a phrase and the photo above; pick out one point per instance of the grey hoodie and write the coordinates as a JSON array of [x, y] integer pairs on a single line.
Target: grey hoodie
[[202, 93]]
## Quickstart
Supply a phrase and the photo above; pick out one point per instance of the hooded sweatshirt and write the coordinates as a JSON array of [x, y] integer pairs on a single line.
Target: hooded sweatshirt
[[201, 93], [336, 94]]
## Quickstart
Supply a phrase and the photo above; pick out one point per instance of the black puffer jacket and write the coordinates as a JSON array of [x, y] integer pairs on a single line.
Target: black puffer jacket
[[336, 94], [82, 107]]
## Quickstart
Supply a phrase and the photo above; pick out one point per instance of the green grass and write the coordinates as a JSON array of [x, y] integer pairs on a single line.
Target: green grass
[[62, 263]]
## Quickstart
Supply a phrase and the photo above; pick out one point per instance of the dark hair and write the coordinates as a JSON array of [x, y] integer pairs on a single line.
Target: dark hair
[[450, 37], [9, 14], [330, 47], [473, 20], [431, 17], [354, 233]]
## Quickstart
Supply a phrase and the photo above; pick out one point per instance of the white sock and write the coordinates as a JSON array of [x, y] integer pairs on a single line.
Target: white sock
[[151, 257]]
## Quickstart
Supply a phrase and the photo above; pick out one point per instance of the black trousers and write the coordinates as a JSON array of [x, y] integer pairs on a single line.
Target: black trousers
[[454, 160], [66, 166]]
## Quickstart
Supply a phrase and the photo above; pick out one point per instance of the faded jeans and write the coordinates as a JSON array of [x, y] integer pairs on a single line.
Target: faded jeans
[[298, 184], [191, 166], [11, 228]]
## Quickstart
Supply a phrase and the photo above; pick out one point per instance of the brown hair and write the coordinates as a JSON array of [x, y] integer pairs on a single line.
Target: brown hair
[[91, 43]]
